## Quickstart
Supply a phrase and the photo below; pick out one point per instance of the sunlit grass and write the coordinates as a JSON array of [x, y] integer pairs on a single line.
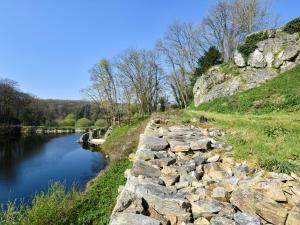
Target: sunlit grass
[[270, 141]]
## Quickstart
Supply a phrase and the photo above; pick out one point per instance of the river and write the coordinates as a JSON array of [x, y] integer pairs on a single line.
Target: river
[[28, 164]]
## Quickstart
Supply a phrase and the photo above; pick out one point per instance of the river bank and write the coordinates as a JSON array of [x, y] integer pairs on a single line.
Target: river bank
[[95, 204]]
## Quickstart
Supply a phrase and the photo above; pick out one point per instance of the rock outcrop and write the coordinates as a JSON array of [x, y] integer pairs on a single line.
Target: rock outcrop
[[183, 175], [278, 53]]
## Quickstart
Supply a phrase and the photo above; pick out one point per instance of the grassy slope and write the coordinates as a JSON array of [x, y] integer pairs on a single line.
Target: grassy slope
[[279, 94], [97, 203], [263, 123]]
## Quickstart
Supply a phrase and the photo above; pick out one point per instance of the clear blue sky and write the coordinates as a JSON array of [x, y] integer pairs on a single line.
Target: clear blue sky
[[49, 45]]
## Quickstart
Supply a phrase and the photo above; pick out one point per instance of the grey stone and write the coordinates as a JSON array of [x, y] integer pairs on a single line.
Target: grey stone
[[246, 219], [179, 146], [170, 179], [133, 219], [221, 221], [205, 208], [257, 60], [163, 161], [215, 171], [145, 169], [269, 59], [202, 144], [215, 158], [220, 194], [161, 198], [239, 59], [289, 53], [201, 221], [251, 202], [154, 143]]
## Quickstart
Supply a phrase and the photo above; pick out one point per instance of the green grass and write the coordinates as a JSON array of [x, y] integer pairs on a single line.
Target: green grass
[[97, 203], [269, 141], [229, 68], [263, 123], [281, 94]]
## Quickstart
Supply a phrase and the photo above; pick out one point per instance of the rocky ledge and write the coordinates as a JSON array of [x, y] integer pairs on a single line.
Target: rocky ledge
[[187, 175], [278, 53]]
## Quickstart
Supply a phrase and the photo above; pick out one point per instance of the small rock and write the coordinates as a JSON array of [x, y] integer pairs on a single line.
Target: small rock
[[215, 158], [214, 171], [163, 162], [167, 170], [272, 189], [205, 207], [220, 194], [221, 221], [201, 221], [280, 176], [179, 146], [245, 219], [202, 144], [155, 215], [251, 202], [145, 169], [170, 179]]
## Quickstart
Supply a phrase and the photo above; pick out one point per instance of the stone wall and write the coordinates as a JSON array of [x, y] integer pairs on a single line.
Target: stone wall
[[278, 53], [187, 175]]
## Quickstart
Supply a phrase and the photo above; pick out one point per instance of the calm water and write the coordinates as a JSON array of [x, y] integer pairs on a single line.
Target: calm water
[[29, 164]]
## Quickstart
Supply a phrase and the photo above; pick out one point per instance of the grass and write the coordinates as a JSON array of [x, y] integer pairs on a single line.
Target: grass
[[229, 68], [97, 203], [263, 123], [269, 141], [281, 94], [93, 207]]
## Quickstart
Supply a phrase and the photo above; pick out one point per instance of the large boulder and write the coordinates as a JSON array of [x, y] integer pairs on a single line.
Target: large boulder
[[257, 59], [239, 59]]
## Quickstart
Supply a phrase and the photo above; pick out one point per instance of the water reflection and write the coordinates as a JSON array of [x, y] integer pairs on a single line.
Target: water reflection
[[27, 164]]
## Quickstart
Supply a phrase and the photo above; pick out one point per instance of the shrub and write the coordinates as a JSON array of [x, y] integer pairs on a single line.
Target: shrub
[[251, 42], [210, 58], [83, 122], [230, 68], [52, 207], [101, 123], [12, 214], [282, 166], [292, 26], [68, 121]]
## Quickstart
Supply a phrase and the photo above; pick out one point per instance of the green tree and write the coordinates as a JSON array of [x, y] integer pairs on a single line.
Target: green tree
[[83, 122], [210, 58]]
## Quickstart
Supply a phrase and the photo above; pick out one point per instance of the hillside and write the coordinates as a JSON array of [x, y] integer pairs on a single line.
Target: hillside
[[281, 94]]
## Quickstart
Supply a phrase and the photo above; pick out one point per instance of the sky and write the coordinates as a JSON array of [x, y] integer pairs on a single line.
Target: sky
[[48, 46]]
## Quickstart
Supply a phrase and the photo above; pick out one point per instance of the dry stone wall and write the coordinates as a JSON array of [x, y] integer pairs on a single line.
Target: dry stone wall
[[183, 175]]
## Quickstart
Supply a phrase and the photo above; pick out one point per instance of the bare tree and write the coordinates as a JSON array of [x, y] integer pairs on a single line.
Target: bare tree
[[139, 70], [229, 21], [103, 90], [181, 47]]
